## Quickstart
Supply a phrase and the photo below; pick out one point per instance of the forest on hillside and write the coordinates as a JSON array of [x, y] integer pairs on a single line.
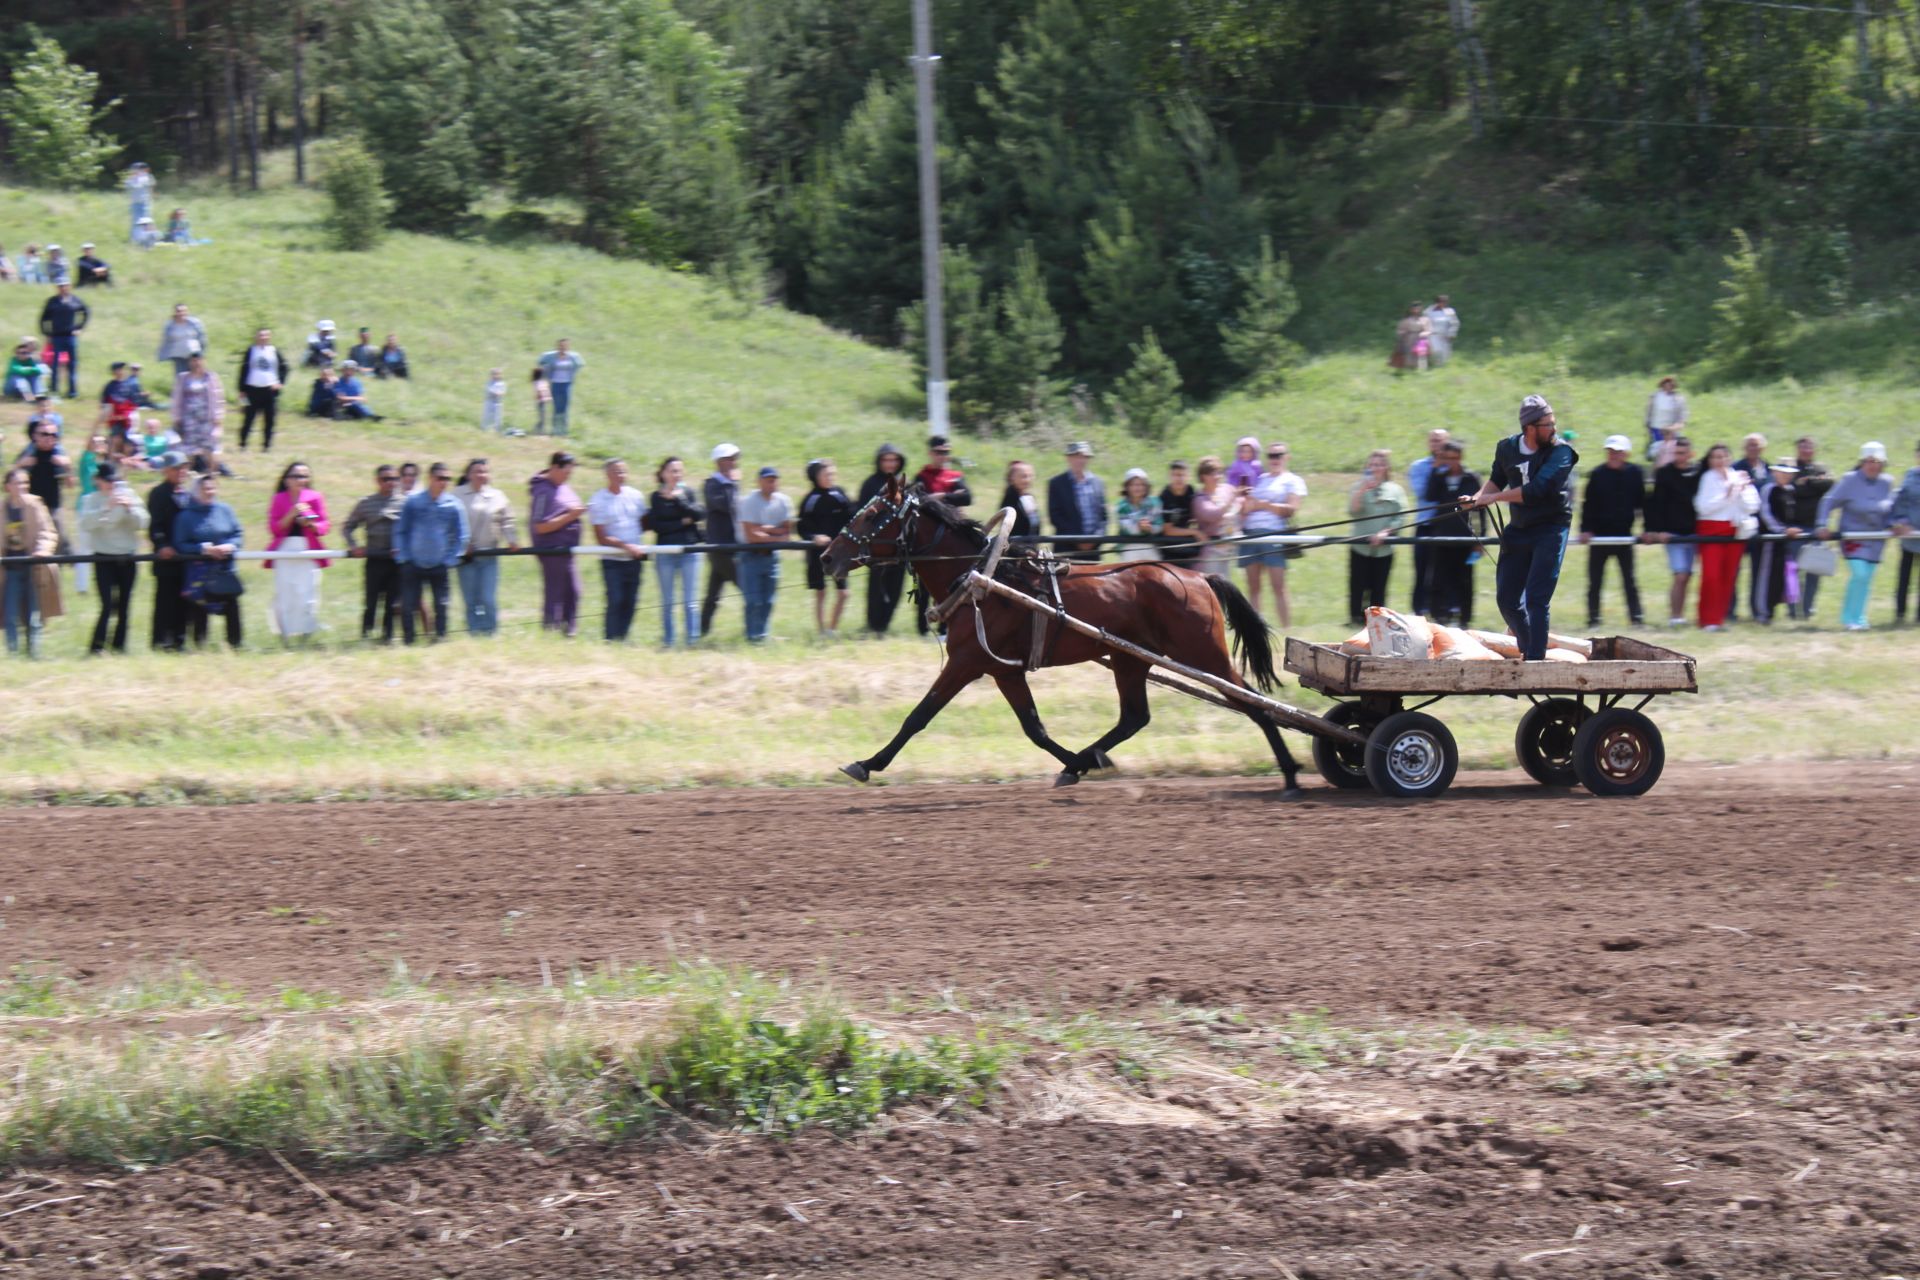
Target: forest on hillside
[[1120, 177]]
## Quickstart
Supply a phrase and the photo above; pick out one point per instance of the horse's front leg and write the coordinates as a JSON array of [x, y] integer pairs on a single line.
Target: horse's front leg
[[954, 677], [1130, 680]]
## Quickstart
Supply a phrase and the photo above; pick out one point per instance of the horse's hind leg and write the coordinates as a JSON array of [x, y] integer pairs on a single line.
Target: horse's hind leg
[[1281, 756], [952, 679], [1013, 687], [1216, 661], [1130, 678]]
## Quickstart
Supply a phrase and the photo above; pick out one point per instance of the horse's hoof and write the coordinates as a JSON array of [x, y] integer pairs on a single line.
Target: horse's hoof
[[1066, 778], [857, 771], [1293, 791]]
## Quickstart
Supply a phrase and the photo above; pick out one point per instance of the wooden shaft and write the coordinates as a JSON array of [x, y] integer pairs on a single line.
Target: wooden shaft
[[1304, 721]]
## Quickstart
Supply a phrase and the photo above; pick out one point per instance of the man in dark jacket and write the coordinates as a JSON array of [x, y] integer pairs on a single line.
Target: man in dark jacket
[[1670, 515], [1532, 473], [886, 583], [1077, 502], [1449, 593], [1809, 486], [721, 491], [91, 269], [61, 320], [1616, 494], [165, 503]]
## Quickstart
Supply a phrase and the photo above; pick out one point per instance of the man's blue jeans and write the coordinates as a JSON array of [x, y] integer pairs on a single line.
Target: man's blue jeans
[[759, 579], [69, 347], [562, 400], [622, 576], [480, 591], [1528, 572]]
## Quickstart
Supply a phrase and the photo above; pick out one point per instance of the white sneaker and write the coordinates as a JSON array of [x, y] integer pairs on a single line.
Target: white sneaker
[[1676, 622], [1858, 626], [1713, 627]]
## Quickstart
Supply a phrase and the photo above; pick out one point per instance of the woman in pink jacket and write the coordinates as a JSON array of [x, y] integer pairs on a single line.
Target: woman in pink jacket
[[297, 520]]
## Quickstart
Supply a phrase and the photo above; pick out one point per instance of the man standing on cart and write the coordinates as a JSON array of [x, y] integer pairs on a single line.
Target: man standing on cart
[[1532, 472]]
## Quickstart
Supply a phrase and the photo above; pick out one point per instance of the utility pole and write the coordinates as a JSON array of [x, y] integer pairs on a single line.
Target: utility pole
[[924, 60]]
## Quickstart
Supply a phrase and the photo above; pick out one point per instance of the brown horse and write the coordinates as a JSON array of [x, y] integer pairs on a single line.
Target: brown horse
[[1186, 616]]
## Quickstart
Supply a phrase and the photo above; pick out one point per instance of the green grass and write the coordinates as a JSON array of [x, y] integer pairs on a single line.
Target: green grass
[[721, 1050], [674, 366]]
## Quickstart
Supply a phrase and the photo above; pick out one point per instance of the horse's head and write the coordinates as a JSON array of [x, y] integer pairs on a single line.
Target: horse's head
[[880, 531]]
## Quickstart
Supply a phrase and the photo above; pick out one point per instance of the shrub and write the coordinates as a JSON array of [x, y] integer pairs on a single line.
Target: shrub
[[357, 205], [49, 114], [1751, 323], [1148, 394]]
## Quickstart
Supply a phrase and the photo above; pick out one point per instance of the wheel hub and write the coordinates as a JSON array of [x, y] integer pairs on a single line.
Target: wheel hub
[[1413, 760]]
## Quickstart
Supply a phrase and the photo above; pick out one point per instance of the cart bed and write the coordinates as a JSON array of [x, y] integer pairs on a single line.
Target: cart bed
[[1620, 664]]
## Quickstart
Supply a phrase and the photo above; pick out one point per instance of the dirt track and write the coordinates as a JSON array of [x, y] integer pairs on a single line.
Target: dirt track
[[1777, 908]]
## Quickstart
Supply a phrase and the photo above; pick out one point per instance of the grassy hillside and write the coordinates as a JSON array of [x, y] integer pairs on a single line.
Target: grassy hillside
[[672, 367]]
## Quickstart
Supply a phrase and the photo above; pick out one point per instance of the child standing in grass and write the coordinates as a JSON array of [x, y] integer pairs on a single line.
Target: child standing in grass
[[542, 401], [494, 405]]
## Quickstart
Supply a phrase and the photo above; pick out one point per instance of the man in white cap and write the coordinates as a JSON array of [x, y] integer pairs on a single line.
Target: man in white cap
[[1077, 502], [320, 346], [722, 493], [1616, 495]]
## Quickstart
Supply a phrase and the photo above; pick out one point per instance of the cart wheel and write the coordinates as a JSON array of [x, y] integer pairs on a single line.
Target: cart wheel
[[1344, 766], [1411, 754], [1618, 753], [1544, 741]]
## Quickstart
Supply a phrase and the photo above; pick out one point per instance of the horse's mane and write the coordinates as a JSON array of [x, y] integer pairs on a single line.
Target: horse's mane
[[949, 517]]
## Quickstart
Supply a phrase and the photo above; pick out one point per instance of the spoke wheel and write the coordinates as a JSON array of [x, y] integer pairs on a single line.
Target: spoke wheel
[[1618, 753], [1341, 765], [1411, 755], [1544, 740]]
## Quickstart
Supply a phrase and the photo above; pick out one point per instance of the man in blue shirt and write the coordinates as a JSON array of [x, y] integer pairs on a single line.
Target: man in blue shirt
[[350, 394], [1419, 477], [1532, 472], [430, 538]]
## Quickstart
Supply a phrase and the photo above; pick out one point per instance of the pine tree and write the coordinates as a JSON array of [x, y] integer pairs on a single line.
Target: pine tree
[[1128, 285], [865, 260], [1025, 392], [1148, 395], [1255, 340], [357, 206], [49, 116], [409, 93], [1751, 324]]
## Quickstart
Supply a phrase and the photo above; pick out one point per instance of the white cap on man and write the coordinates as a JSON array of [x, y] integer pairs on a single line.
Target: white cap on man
[[1620, 443], [725, 451], [1873, 449]]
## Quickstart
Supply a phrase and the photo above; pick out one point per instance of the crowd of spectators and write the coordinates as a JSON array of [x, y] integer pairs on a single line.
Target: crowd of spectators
[[417, 532]]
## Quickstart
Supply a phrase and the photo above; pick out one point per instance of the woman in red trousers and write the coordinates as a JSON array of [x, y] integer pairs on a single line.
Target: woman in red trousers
[[1724, 502]]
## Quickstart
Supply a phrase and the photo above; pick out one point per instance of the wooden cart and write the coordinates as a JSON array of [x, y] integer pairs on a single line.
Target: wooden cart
[[1578, 730]]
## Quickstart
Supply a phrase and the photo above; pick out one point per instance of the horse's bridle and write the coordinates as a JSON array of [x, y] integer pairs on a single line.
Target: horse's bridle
[[906, 511]]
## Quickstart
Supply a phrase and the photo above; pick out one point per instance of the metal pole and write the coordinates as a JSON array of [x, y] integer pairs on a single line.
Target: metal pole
[[934, 292]]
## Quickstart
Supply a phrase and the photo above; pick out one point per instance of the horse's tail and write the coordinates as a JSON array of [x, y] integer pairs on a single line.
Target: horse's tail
[[1252, 637]]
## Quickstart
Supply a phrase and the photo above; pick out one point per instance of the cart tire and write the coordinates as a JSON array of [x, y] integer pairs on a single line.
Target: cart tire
[[1410, 754], [1343, 766], [1544, 740], [1618, 753]]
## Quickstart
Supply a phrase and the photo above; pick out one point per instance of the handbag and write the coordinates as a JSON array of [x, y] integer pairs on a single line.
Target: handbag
[[1821, 558], [222, 583]]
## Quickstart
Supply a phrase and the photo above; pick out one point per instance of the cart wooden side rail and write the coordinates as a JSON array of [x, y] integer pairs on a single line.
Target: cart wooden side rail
[[1562, 740]]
